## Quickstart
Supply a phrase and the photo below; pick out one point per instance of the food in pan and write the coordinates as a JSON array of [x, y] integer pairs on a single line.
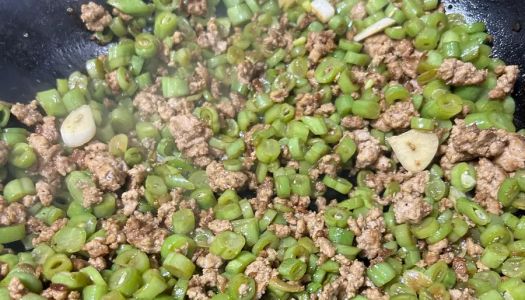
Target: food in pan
[[268, 149]]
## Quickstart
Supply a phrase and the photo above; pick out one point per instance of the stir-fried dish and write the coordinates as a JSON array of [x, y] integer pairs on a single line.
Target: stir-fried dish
[[268, 149]]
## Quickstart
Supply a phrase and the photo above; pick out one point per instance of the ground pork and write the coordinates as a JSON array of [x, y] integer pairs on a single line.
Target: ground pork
[[263, 197], [211, 37], [397, 116], [95, 16], [368, 148], [364, 76], [91, 195], [209, 278], [506, 80], [369, 231], [147, 103], [191, 137], [42, 232], [328, 164], [60, 292], [278, 37], [228, 109], [45, 192], [325, 110], [319, 44], [108, 171], [209, 261], [199, 80], [513, 156], [48, 129], [378, 181], [434, 251], [112, 82], [261, 271], [100, 246], [358, 11], [27, 114], [489, 178], [143, 232], [306, 104], [197, 7], [52, 165], [218, 226], [467, 142], [221, 179], [409, 204], [458, 73], [11, 213], [345, 286], [459, 266], [353, 122], [130, 201], [16, 289], [462, 294]]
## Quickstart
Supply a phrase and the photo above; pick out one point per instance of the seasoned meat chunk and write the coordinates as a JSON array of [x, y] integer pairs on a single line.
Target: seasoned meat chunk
[[28, 114], [221, 179], [397, 116], [143, 232], [191, 137], [95, 16], [489, 178], [458, 73], [506, 80], [319, 44]]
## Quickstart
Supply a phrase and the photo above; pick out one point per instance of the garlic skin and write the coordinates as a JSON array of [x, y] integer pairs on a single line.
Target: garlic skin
[[415, 149], [78, 127]]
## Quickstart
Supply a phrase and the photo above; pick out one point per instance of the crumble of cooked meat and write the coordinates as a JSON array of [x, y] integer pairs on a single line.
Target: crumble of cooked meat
[[191, 137], [199, 79], [397, 116], [278, 96], [306, 104], [459, 266], [505, 83], [319, 44], [409, 204], [369, 231], [91, 195], [368, 148], [221, 179], [278, 37], [108, 171], [209, 261], [347, 285], [51, 163], [44, 192], [489, 178], [228, 109], [11, 213], [263, 197], [130, 201], [197, 7], [434, 251], [462, 294], [328, 164], [261, 271], [147, 103], [42, 232], [60, 292], [513, 156], [95, 16], [111, 80], [27, 114], [48, 129], [353, 122], [16, 288], [218, 226], [143, 232], [211, 37], [458, 73]]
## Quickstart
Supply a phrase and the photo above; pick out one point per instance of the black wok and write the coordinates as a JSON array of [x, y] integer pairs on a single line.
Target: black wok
[[41, 40]]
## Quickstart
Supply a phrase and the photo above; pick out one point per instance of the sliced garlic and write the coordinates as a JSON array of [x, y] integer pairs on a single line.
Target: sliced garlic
[[79, 127], [323, 10], [415, 149], [374, 28]]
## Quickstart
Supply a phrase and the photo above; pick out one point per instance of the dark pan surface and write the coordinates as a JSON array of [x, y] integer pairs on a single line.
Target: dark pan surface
[[40, 41]]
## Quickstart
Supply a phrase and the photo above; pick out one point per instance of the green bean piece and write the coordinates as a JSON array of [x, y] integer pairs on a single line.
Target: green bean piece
[[227, 244], [463, 177], [69, 240], [51, 102], [16, 189], [125, 280], [12, 233], [183, 221], [178, 242], [22, 156], [268, 150], [179, 265], [381, 273], [473, 211], [241, 287], [133, 258], [508, 191]]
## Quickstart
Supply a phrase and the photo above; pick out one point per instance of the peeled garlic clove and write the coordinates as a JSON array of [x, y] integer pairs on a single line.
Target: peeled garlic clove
[[323, 10], [415, 149], [79, 127]]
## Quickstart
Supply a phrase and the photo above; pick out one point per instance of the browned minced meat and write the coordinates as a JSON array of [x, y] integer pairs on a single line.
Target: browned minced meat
[[358, 11], [111, 80], [52, 165], [264, 194], [328, 164], [91, 195], [506, 80], [434, 251], [197, 7], [48, 129], [143, 232], [261, 271], [369, 232], [45, 192], [459, 266], [400, 57], [227, 109], [345, 286], [374, 294], [368, 148], [248, 71], [130, 201], [16, 289], [409, 204], [44, 233], [458, 73], [28, 114], [353, 122], [489, 178], [95, 16], [462, 294], [211, 37], [306, 104], [60, 292], [467, 142], [147, 103], [218, 226], [101, 246], [379, 180], [108, 171], [325, 247], [319, 44], [191, 137], [11, 213], [513, 156], [279, 95], [199, 79], [397, 116], [221, 179], [362, 76], [278, 36]]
